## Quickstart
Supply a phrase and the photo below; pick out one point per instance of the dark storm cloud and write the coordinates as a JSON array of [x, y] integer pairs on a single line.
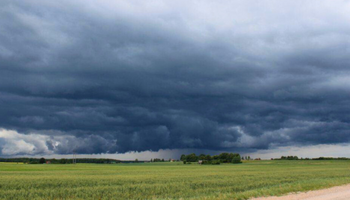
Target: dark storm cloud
[[129, 76]]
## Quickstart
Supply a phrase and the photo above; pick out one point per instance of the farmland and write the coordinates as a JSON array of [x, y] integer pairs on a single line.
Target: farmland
[[168, 180]]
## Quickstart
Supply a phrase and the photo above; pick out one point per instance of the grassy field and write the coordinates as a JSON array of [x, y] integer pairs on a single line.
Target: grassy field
[[168, 180]]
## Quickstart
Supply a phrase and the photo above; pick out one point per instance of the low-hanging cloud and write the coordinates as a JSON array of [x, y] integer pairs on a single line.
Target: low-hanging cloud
[[120, 76]]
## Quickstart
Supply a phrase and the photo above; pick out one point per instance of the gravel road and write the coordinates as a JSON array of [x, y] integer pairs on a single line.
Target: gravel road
[[334, 193]]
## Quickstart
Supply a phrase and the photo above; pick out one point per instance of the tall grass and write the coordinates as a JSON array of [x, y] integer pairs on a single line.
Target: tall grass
[[168, 180]]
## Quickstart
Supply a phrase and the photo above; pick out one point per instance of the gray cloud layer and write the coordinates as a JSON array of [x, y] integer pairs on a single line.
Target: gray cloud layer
[[112, 76]]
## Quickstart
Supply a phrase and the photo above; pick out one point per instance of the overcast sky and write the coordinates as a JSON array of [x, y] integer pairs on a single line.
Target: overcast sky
[[147, 77]]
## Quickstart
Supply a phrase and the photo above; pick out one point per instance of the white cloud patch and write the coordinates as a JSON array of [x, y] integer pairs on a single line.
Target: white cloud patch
[[16, 143]]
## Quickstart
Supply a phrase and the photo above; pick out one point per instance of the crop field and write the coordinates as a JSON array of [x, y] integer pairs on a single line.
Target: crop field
[[168, 180]]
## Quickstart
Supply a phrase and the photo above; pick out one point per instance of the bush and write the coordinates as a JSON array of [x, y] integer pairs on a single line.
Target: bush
[[206, 162], [192, 158], [42, 160], [215, 162], [236, 160]]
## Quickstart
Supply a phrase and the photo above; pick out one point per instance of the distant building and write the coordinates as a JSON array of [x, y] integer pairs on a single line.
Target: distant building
[[172, 160], [48, 162], [200, 162]]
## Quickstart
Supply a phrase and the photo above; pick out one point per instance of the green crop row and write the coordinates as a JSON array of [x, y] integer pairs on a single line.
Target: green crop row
[[168, 180]]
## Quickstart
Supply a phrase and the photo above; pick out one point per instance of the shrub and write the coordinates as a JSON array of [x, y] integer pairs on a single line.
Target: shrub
[[215, 162], [236, 160], [42, 160], [206, 162]]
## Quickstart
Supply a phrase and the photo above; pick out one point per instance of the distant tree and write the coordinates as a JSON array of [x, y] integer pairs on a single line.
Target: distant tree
[[208, 157], [224, 157], [191, 158], [230, 157], [42, 160], [216, 159], [289, 158], [227, 157], [248, 157], [215, 162], [163, 160], [236, 159], [183, 157], [151, 160], [136, 160], [202, 157]]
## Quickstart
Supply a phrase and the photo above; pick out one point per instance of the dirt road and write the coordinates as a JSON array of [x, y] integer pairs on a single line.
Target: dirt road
[[334, 193]]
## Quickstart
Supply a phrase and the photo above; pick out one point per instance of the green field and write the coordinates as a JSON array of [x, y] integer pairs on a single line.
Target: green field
[[168, 180]]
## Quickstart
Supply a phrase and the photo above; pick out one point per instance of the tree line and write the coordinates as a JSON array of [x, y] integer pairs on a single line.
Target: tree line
[[158, 160], [59, 161], [319, 158], [208, 159]]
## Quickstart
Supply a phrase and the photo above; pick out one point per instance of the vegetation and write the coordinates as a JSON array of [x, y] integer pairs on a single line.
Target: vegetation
[[42, 161], [320, 158], [331, 158], [157, 160], [59, 161], [289, 158], [169, 180], [234, 158]]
